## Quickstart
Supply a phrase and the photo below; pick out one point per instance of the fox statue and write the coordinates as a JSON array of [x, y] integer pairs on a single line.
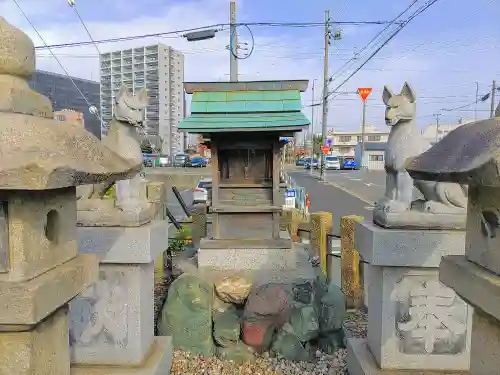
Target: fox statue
[[405, 141]]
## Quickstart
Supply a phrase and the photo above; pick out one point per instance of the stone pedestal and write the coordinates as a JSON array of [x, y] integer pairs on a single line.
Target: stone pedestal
[[249, 255], [414, 321], [112, 322]]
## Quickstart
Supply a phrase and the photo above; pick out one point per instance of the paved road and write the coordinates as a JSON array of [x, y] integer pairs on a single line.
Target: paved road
[[327, 197], [368, 186]]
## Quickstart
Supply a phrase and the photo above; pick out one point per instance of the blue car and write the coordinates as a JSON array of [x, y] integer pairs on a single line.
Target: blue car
[[198, 162], [307, 165], [300, 162], [350, 164]]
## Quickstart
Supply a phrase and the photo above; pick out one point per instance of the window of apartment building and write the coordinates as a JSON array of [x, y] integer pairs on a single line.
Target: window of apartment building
[[345, 138], [374, 138], [376, 157], [359, 138]]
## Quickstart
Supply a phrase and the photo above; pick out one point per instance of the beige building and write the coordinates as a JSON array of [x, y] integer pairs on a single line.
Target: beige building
[[344, 142], [433, 133], [76, 117]]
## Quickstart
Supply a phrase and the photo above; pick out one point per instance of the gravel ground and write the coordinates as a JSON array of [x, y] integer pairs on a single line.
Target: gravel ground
[[189, 364]]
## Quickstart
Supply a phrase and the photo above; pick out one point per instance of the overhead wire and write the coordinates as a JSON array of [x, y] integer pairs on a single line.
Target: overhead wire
[[217, 26], [396, 32], [50, 50], [432, 39], [372, 40]]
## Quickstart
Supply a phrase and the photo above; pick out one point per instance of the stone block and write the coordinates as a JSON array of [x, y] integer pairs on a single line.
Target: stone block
[[415, 322], [158, 362], [124, 245], [41, 231], [321, 225], [112, 321], [351, 272], [199, 222], [406, 247], [483, 222], [42, 350], [361, 362], [485, 344], [476, 285], [247, 259], [28, 302]]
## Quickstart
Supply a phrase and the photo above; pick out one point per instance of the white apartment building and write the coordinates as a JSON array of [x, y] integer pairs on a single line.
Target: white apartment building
[[158, 68], [434, 133], [344, 142]]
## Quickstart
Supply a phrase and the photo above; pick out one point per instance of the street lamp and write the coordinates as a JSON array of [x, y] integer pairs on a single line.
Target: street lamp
[[200, 35]]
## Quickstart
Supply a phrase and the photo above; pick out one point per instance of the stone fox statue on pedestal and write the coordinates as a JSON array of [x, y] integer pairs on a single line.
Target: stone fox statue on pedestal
[[405, 141], [123, 137]]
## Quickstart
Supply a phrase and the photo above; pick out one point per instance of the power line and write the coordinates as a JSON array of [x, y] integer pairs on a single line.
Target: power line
[[218, 27], [432, 39], [401, 27], [373, 39], [55, 57]]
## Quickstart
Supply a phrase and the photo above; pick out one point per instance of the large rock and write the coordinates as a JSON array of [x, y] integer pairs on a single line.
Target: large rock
[[227, 327], [304, 321], [187, 315], [233, 289], [288, 345], [266, 309], [332, 309]]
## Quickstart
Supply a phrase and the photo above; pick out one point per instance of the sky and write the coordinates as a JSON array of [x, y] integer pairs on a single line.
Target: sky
[[445, 54]]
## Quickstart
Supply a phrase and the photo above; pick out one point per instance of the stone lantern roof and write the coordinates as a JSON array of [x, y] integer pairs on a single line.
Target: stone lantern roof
[[468, 154], [36, 151]]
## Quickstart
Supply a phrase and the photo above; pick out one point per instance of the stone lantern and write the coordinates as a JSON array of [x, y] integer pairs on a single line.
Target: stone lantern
[[469, 155], [42, 161]]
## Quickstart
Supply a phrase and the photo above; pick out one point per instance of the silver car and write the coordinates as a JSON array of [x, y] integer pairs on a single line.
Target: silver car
[[200, 194], [332, 162]]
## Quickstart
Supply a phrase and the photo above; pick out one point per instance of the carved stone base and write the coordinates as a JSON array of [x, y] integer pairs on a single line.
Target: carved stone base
[[158, 362], [360, 361], [415, 219], [105, 214]]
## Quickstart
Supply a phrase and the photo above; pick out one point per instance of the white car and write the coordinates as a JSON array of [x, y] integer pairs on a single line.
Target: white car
[[200, 194], [164, 161], [332, 162]]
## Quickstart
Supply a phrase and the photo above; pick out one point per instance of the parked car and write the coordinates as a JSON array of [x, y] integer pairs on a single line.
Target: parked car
[[163, 161], [197, 162], [200, 194], [349, 164], [181, 160], [332, 162], [315, 164], [300, 162]]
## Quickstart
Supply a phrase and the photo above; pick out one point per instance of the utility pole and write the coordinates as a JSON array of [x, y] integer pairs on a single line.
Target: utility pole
[[325, 93], [363, 126], [492, 107], [437, 115], [311, 129], [233, 44]]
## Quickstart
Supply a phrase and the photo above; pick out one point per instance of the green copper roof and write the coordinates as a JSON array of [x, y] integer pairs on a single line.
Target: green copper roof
[[219, 111], [199, 122], [246, 101]]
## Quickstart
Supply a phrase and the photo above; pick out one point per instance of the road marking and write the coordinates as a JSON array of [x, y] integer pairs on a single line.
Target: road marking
[[350, 192], [369, 208]]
